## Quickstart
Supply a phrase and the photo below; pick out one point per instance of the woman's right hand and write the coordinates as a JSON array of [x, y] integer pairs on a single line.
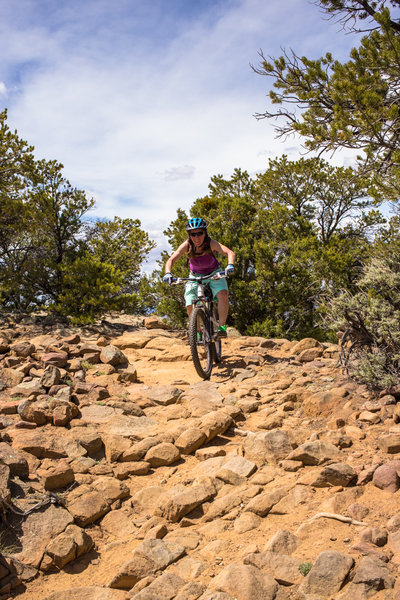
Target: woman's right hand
[[168, 277]]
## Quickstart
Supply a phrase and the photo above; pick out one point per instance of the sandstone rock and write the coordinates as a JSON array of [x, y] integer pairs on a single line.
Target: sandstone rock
[[283, 568], [63, 413], [182, 503], [205, 391], [324, 403], [327, 574], [235, 470], [394, 541], [89, 439], [57, 477], [126, 469], [40, 444], [336, 474], [128, 374], [14, 460], [110, 488], [310, 354], [162, 553], [5, 493], [389, 443], [50, 377], [155, 322], [357, 511], [369, 417], [262, 504], [38, 529], [115, 446], [164, 394], [314, 453], [246, 522], [23, 349], [4, 346], [374, 535], [221, 506], [11, 377], [112, 355], [268, 446], [57, 359], [245, 582], [150, 498], [283, 541], [386, 477], [132, 571], [374, 575], [305, 344], [165, 587], [27, 388], [190, 591], [209, 452], [118, 523], [67, 546], [215, 423], [162, 454], [190, 440], [88, 593], [131, 427], [35, 411], [87, 505]]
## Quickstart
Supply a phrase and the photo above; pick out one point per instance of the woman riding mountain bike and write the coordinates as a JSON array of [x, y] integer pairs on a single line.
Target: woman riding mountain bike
[[199, 248]]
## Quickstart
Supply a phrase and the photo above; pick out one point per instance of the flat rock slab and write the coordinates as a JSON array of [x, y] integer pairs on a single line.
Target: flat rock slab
[[160, 552], [38, 529], [245, 582], [128, 426], [88, 593], [98, 414], [327, 575], [40, 444]]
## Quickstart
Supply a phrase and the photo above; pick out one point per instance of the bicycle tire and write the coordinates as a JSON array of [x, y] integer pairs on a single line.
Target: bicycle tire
[[217, 345], [199, 323]]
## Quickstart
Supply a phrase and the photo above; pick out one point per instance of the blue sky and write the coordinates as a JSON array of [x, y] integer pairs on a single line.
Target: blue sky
[[143, 101]]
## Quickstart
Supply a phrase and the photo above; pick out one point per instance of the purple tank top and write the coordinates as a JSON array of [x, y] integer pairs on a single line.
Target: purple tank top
[[204, 264]]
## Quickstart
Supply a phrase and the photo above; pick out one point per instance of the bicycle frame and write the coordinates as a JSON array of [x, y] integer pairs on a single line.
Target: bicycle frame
[[202, 297], [203, 325]]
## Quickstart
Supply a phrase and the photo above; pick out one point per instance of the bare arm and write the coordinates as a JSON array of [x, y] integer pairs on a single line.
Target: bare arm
[[217, 247], [174, 257]]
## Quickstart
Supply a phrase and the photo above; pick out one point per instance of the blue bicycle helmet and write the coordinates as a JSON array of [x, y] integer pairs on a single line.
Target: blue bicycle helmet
[[196, 223]]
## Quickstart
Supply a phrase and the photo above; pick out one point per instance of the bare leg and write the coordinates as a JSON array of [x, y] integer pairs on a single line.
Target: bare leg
[[189, 309], [223, 306]]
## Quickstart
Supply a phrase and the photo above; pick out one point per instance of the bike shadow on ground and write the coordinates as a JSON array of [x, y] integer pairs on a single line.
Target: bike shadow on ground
[[230, 367]]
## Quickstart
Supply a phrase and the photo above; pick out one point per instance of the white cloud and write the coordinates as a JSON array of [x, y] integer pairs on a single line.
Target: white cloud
[[144, 103], [3, 89], [177, 173]]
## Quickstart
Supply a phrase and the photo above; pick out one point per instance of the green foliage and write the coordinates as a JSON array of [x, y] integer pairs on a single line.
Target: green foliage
[[290, 229], [305, 568], [90, 288], [370, 319], [50, 255], [125, 245], [346, 105]]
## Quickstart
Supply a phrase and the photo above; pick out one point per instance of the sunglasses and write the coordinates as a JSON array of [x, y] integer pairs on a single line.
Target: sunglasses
[[197, 234]]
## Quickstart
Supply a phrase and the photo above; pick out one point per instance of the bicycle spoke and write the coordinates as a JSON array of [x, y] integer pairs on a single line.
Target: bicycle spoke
[[200, 342]]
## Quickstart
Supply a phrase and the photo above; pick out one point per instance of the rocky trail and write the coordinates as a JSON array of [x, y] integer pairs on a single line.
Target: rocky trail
[[123, 475]]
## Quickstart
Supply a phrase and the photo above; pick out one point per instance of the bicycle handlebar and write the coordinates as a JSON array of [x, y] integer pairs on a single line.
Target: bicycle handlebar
[[178, 280]]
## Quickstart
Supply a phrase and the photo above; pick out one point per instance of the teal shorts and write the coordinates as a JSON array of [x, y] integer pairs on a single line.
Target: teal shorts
[[216, 286]]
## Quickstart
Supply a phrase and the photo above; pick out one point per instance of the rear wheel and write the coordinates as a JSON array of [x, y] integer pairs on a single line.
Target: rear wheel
[[200, 342]]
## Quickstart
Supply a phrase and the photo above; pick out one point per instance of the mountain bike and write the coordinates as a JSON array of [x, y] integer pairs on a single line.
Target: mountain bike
[[205, 346]]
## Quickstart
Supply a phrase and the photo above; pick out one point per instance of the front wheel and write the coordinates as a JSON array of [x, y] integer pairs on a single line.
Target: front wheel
[[217, 344], [200, 342]]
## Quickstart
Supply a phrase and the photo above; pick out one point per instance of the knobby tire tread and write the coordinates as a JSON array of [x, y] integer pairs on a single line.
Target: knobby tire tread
[[198, 313], [216, 347]]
